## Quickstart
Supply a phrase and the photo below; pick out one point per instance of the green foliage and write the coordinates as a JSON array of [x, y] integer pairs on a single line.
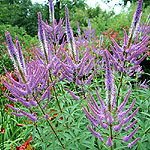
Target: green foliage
[[26, 42]]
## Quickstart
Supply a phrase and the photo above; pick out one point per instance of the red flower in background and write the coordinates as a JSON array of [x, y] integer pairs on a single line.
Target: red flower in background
[[25, 146], [56, 114]]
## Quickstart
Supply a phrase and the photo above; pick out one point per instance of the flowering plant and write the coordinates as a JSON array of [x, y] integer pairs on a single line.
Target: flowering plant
[[59, 78]]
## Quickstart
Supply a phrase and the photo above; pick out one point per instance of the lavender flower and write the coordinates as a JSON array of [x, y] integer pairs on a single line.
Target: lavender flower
[[70, 34], [51, 12], [72, 94], [46, 116], [128, 137], [109, 141], [134, 142], [95, 133], [130, 126], [106, 115]]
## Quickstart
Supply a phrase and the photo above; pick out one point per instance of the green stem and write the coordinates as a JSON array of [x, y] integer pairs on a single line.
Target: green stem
[[50, 125], [110, 132], [51, 76], [37, 128], [119, 88]]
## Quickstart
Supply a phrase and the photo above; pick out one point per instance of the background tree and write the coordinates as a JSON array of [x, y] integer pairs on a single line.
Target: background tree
[[124, 2]]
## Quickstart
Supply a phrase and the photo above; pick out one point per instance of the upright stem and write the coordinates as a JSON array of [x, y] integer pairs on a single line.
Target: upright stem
[[119, 88], [110, 132], [55, 93], [122, 74], [50, 125], [37, 128]]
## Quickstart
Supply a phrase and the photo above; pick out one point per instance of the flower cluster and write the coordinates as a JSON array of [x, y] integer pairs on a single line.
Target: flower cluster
[[110, 117]]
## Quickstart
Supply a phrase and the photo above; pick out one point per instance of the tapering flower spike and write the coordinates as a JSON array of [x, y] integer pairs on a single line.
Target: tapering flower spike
[[120, 108], [130, 126], [17, 59], [42, 37], [134, 142], [108, 81], [11, 48], [78, 29], [131, 116], [95, 133], [118, 127], [72, 94], [93, 120], [33, 118], [70, 37], [128, 137], [137, 15], [109, 141], [51, 12], [135, 21], [21, 58]]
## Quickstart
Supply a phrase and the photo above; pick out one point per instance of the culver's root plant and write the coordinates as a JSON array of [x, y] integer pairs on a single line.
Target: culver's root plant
[[64, 71]]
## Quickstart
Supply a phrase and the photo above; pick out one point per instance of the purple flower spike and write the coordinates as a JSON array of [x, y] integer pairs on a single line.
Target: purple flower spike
[[141, 59], [131, 116], [79, 31], [133, 143], [95, 133], [136, 18], [93, 120], [10, 45], [11, 49], [51, 11], [101, 102], [72, 94], [125, 40], [17, 114], [21, 59], [31, 117], [90, 77], [93, 100], [103, 125], [13, 108], [120, 108], [109, 141], [118, 127], [130, 126], [128, 137], [123, 114], [10, 98], [109, 118], [40, 28], [46, 116]]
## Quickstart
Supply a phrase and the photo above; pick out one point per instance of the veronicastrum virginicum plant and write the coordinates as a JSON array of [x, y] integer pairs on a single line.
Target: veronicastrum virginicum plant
[[53, 63]]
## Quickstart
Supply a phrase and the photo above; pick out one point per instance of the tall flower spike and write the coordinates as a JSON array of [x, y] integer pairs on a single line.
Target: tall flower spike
[[78, 29], [70, 38], [21, 58], [42, 37], [51, 12], [108, 81], [137, 15], [11, 49], [93, 120], [136, 20]]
